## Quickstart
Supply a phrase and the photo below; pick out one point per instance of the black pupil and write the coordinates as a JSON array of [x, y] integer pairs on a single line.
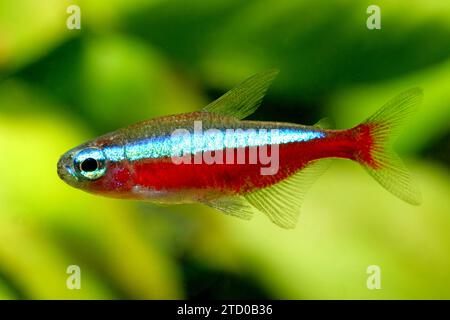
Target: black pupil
[[89, 165]]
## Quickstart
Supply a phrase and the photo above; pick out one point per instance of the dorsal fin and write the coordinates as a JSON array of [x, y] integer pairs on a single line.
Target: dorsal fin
[[325, 123], [245, 98], [281, 202]]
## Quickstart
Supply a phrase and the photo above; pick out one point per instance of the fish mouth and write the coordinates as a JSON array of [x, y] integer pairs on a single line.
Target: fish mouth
[[60, 169], [65, 170]]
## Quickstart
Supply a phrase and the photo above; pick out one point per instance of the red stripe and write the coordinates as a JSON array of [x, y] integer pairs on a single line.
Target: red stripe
[[163, 174]]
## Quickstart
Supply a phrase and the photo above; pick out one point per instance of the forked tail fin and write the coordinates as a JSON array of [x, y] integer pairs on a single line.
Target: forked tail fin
[[376, 154]]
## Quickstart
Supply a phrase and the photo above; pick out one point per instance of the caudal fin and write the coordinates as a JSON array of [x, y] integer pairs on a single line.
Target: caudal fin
[[376, 153]]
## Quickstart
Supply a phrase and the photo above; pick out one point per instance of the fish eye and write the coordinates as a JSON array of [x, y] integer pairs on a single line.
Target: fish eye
[[90, 164]]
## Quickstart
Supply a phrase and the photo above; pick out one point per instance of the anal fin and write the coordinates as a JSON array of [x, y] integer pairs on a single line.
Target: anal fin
[[281, 202], [236, 206]]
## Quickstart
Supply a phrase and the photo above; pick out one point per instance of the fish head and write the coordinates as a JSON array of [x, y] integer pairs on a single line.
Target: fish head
[[82, 165], [96, 167]]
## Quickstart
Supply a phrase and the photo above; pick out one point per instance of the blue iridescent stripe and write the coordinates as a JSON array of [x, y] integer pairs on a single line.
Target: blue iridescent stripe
[[114, 153], [209, 140]]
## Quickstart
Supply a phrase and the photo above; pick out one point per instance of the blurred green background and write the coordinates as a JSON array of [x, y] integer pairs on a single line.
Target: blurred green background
[[138, 59]]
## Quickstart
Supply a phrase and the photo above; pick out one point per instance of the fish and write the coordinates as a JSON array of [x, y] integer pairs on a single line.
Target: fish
[[239, 167]]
